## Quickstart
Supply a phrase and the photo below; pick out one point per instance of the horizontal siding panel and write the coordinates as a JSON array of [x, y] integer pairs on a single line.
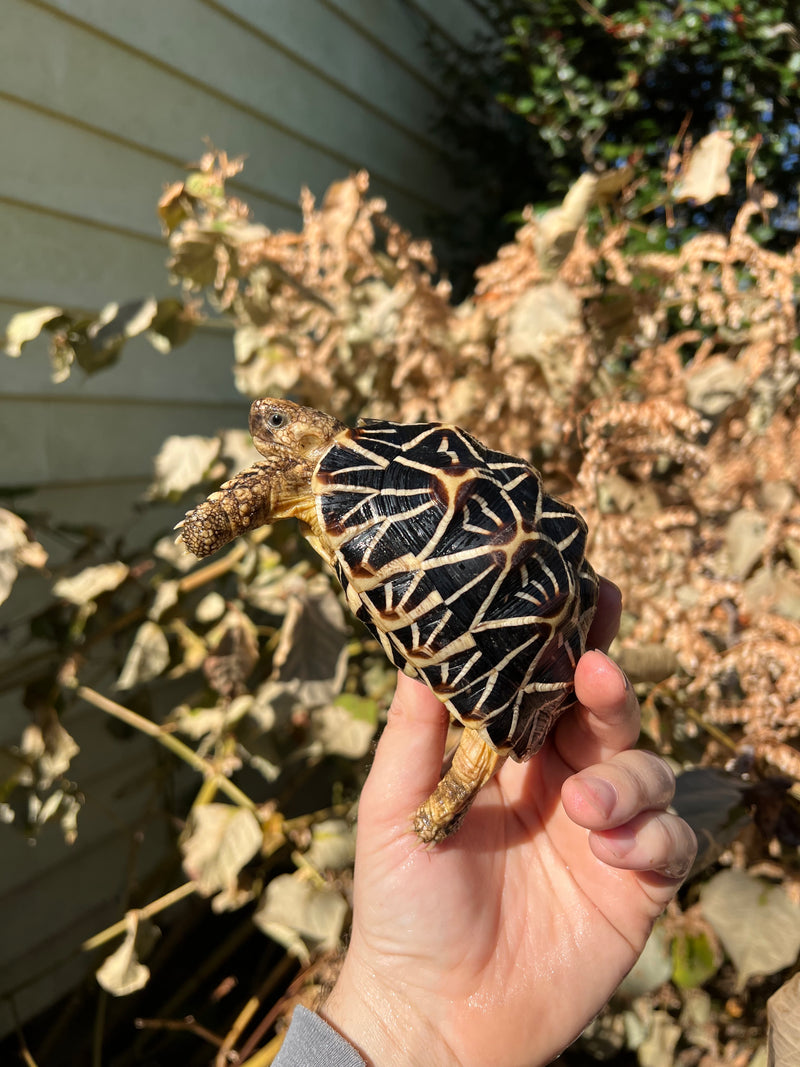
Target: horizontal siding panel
[[44, 441], [53, 259], [265, 81], [457, 19], [195, 373], [46, 920], [113, 799], [101, 103], [317, 35], [100, 180], [92, 82], [396, 26]]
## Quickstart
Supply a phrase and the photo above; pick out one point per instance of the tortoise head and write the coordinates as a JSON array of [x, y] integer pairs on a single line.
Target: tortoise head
[[292, 440], [280, 425]]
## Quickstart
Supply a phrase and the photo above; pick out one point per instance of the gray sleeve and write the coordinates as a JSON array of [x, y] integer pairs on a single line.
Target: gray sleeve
[[310, 1042]]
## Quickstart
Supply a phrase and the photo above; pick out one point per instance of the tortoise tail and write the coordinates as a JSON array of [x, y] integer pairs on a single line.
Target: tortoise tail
[[474, 763]]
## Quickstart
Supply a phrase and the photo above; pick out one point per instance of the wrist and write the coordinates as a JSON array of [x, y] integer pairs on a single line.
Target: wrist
[[381, 1024]]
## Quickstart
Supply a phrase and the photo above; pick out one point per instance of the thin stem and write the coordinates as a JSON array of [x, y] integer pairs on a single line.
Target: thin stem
[[24, 1051], [169, 741], [146, 912], [189, 1024], [99, 1029], [213, 570], [241, 1022], [710, 728], [275, 979], [266, 1055]]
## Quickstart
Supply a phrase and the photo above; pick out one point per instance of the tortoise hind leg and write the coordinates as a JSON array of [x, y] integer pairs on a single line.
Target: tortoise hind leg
[[474, 763]]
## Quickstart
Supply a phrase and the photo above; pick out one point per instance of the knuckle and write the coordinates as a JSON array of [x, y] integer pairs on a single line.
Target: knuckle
[[679, 845], [653, 778]]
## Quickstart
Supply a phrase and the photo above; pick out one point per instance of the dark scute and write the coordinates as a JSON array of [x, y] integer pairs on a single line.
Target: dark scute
[[524, 552], [560, 528], [401, 593], [428, 629], [553, 605], [558, 658]]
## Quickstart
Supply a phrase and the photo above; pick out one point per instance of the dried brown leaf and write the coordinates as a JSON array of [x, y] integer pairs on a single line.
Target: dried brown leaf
[[705, 175], [338, 732], [558, 227], [333, 845], [218, 841], [90, 583], [312, 651], [27, 325], [303, 917], [47, 747], [783, 1016], [17, 549], [758, 923], [233, 653], [182, 463], [123, 973], [147, 658]]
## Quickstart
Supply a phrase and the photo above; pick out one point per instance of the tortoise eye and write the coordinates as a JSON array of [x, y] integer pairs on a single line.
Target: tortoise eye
[[276, 420]]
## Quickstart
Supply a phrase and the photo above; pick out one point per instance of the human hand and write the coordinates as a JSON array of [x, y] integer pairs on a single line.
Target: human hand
[[498, 945]]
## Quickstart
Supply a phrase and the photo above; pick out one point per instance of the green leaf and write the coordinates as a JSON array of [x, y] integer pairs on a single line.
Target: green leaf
[[525, 104], [364, 709], [693, 960]]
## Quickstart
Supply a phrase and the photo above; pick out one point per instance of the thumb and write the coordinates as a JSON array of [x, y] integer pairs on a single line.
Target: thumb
[[408, 760]]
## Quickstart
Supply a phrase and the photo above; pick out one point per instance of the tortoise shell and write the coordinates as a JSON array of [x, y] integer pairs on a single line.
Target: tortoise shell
[[466, 571]]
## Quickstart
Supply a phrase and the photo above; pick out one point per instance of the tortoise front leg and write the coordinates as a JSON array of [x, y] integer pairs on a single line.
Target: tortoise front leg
[[474, 763]]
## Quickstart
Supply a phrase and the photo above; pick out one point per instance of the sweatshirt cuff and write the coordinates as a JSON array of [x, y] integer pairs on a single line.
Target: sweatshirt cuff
[[310, 1042]]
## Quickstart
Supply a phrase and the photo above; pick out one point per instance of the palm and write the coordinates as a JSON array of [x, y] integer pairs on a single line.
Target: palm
[[515, 886]]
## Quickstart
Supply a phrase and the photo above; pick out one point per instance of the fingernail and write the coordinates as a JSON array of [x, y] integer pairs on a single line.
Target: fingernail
[[617, 668], [620, 840], [601, 794], [678, 870]]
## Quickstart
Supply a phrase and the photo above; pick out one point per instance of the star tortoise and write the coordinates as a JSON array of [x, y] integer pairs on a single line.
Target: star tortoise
[[472, 578]]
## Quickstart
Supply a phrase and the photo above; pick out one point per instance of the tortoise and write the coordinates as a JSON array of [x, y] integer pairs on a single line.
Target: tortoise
[[472, 578]]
